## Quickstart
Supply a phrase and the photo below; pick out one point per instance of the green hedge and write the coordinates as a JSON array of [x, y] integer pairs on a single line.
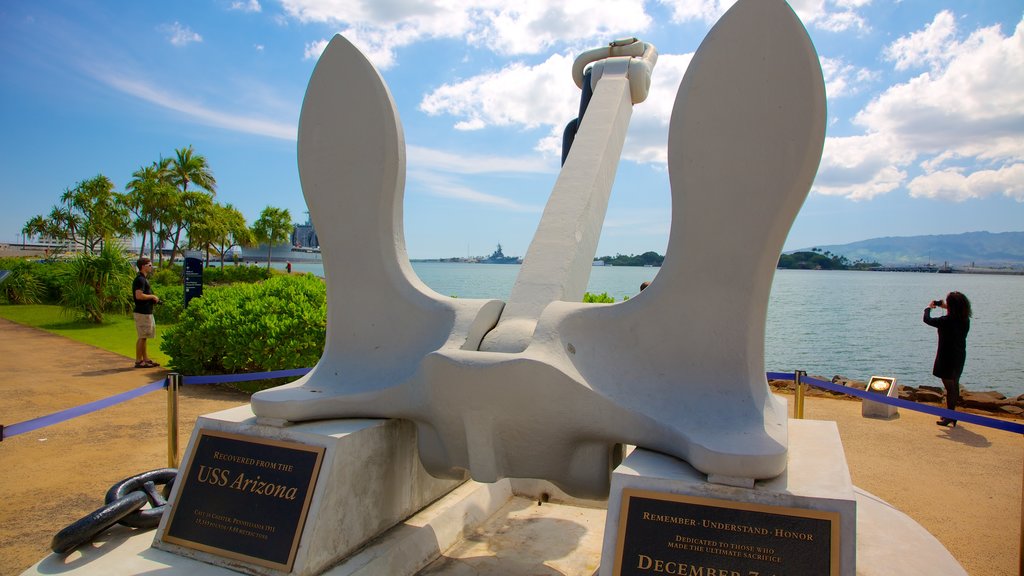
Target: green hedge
[[172, 302], [171, 274], [602, 298], [277, 324]]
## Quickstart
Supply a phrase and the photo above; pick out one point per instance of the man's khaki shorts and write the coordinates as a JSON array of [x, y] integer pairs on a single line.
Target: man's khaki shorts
[[145, 325]]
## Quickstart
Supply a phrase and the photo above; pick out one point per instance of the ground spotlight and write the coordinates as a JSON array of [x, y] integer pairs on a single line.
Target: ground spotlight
[[883, 385]]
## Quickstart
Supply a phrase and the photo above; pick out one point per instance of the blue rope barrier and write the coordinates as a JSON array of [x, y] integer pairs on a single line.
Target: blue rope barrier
[[909, 405], [63, 415], [224, 378]]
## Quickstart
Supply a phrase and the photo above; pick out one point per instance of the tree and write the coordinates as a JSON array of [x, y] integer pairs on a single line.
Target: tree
[[40, 226], [149, 197], [186, 168], [218, 228], [89, 214], [102, 214], [272, 227], [235, 231]]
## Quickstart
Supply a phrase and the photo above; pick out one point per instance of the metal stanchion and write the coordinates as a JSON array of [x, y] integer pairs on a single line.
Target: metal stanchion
[[173, 383], [798, 405]]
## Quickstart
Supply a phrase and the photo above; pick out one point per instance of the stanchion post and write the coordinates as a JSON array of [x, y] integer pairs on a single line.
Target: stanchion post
[[1021, 550], [173, 383], [798, 407]]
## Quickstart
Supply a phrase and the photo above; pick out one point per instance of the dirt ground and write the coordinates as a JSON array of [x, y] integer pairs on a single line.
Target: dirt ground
[[963, 485], [55, 475]]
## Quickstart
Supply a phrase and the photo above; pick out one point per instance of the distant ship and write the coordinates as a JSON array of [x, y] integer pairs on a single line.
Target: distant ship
[[498, 257]]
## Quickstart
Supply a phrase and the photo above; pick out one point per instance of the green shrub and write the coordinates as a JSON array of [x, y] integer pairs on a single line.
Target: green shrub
[[277, 324], [231, 274], [172, 274], [172, 301], [602, 298], [51, 276], [22, 285], [31, 281], [93, 284], [168, 275]]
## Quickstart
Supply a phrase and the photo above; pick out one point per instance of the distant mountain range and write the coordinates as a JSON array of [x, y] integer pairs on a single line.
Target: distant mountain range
[[971, 248]]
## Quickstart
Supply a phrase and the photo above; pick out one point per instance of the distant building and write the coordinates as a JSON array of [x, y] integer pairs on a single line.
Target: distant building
[[304, 236]]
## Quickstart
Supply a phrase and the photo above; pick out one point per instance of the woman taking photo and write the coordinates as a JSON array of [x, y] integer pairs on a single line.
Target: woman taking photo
[[952, 351]]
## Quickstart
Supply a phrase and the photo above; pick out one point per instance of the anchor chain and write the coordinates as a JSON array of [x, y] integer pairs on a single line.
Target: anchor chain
[[123, 505]]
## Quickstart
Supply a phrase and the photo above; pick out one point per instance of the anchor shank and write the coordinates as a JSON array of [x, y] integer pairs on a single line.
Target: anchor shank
[[558, 262]]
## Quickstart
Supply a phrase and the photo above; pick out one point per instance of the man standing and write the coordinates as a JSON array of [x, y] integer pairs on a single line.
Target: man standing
[[145, 325]]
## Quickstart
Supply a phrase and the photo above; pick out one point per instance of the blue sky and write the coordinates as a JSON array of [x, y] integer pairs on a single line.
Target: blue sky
[[925, 97]]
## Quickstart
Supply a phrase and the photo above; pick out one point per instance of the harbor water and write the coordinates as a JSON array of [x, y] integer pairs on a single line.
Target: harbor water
[[828, 323]]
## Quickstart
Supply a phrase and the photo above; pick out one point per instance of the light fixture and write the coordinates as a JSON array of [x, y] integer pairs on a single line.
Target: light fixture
[[883, 385]]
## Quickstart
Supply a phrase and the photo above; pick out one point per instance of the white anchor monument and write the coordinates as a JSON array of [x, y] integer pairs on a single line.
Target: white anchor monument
[[415, 390], [544, 386]]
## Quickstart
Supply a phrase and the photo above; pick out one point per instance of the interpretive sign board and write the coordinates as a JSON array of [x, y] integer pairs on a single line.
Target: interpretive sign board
[[193, 279], [662, 533], [245, 498]]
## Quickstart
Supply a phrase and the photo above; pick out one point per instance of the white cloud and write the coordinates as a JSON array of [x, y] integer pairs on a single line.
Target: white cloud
[[966, 109], [315, 49], [517, 95], [844, 79], [379, 28], [180, 35], [545, 97], [933, 46], [461, 163], [861, 167], [445, 187], [162, 97], [247, 6], [534, 26], [953, 184], [706, 10], [812, 12]]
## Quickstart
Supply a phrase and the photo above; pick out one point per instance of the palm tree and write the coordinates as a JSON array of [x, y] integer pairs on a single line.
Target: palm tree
[[186, 168], [149, 196]]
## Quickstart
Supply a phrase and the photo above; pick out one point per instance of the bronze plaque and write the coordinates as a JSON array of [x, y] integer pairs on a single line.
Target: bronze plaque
[[673, 534], [245, 498]]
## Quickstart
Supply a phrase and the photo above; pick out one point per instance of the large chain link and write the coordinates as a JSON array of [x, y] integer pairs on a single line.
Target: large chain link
[[124, 502]]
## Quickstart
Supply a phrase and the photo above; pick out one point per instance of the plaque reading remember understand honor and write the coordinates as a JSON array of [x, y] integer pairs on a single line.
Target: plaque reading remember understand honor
[[682, 535], [245, 498]]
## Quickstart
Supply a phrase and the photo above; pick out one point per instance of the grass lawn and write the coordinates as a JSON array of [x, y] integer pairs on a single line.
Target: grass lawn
[[116, 334]]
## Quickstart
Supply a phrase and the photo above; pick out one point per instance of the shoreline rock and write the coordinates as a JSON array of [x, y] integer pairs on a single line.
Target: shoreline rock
[[988, 402]]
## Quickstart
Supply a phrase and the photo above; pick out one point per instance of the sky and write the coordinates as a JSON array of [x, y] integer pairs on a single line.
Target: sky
[[925, 129]]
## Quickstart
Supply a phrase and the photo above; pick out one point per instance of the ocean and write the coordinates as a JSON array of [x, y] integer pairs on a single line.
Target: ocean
[[828, 323]]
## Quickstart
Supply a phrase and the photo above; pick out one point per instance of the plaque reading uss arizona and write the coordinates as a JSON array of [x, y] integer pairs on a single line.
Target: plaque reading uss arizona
[[673, 534], [245, 498]]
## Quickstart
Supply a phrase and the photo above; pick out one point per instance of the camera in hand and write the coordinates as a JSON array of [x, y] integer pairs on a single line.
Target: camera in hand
[[936, 302]]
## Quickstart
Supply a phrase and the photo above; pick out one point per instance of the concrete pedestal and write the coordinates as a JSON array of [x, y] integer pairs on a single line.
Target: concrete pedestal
[[370, 479], [817, 479], [871, 409]]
